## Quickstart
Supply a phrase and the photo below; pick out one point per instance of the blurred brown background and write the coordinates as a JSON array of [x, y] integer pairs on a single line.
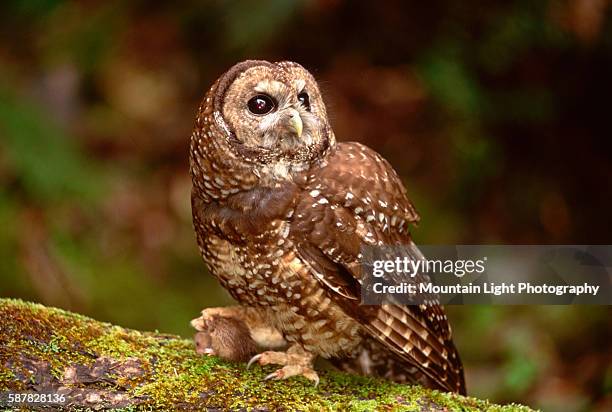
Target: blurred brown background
[[497, 116]]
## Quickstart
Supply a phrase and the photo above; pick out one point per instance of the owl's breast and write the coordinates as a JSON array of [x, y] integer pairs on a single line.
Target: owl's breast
[[294, 301], [267, 272], [249, 266], [248, 247]]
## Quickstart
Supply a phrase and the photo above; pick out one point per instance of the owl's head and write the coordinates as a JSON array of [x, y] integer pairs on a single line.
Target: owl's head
[[269, 111]]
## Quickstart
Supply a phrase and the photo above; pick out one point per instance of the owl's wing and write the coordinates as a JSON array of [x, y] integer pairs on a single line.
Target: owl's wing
[[357, 198]]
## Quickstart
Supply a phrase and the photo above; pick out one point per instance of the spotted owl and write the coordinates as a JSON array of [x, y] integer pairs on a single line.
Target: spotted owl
[[281, 213]]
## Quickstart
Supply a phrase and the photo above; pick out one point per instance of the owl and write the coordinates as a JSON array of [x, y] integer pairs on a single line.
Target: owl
[[281, 213]]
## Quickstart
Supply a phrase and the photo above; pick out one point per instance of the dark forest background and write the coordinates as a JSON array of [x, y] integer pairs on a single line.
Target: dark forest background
[[496, 114]]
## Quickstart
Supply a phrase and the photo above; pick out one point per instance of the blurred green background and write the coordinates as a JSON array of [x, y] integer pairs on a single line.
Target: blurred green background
[[496, 114]]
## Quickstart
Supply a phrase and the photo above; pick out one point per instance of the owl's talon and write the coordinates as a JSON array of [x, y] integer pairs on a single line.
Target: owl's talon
[[253, 360], [273, 375], [315, 379]]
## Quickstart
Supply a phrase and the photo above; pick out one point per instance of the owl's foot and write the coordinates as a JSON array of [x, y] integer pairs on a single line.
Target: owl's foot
[[208, 314], [296, 361], [294, 370]]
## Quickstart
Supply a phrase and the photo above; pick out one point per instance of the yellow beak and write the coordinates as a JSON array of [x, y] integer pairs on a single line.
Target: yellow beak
[[295, 122]]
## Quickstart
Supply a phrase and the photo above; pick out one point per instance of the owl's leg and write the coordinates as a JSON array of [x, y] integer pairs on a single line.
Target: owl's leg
[[264, 335], [296, 361]]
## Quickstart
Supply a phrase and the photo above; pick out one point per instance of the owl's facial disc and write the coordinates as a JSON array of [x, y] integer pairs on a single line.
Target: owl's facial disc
[[276, 109]]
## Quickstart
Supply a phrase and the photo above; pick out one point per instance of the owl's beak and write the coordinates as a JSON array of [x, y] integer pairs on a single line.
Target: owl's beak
[[295, 122]]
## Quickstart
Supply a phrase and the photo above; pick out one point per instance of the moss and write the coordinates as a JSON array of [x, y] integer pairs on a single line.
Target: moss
[[150, 371], [362, 405], [6, 376]]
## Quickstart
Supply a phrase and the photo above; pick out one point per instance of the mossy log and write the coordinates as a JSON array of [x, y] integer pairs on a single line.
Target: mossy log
[[95, 365]]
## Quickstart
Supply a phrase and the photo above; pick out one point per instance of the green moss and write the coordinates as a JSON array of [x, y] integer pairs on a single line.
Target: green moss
[[362, 406], [172, 374], [6, 375]]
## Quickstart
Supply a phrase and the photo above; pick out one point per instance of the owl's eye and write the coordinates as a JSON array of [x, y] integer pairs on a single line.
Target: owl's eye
[[261, 104], [305, 100]]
